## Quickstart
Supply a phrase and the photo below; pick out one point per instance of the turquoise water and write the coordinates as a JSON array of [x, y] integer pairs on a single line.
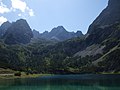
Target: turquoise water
[[64, 82]]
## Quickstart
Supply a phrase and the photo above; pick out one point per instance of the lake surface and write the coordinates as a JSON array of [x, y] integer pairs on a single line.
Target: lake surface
[[64, 82]]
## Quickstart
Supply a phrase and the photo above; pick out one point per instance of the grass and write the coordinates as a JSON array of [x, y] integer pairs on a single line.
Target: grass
[[9, 74], [23, 75], [112, 72], [5, 71]]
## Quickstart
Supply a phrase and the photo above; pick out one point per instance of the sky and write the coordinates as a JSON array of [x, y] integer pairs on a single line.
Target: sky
[[44, 15]]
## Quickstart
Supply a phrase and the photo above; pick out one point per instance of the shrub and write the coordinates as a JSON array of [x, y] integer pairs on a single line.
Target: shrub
[[17, 74]]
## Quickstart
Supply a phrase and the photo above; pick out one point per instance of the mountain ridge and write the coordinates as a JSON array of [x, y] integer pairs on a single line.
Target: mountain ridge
[[59, 33]]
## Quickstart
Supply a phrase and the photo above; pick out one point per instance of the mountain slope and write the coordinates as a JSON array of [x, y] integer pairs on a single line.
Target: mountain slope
[[110, 15], [104, 32]]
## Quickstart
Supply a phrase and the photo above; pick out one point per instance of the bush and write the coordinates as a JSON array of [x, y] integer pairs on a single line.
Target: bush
[[17, 74], [27, 73]]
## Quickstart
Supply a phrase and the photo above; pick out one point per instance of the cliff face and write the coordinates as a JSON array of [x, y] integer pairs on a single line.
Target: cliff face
[[110, 15], [4, 27]]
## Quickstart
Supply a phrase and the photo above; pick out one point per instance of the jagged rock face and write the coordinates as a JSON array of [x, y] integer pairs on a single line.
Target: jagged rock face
[[79, 33], [110, 15], [60, 34], [4, 28], [44, 34], [36, 34], [18, 32]]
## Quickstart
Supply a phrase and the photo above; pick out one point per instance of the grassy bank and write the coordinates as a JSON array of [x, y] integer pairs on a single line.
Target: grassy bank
[[109, 73], [10, 74]]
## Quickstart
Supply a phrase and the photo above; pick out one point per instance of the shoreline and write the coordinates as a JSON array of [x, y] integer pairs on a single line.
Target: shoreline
[[11, 76], [23, 76]]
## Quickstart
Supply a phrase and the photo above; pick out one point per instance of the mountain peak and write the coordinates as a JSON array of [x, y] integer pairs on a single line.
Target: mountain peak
[[45, 32], [18, 32], [35, 33], [6, 23], [79, 33], [21, 20], [59, 29]]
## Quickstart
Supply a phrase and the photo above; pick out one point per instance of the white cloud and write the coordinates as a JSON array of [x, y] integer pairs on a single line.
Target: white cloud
[[15, 6], [30, 11], [2, 20], [19, 15], [3, 8], [18, 4], [22, 6]]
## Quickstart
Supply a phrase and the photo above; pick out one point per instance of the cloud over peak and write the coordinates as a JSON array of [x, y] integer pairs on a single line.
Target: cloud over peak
[[16, 5], [2, 19], [22, 6], [31, 13]]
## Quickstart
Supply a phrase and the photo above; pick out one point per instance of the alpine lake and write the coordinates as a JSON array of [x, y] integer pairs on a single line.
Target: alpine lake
[[64, 82]]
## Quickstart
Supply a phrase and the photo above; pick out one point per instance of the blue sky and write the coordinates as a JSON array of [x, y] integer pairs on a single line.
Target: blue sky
[[43, 15]]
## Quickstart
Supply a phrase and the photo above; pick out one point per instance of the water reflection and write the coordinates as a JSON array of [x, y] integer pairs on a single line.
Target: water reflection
[[66, 82]]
